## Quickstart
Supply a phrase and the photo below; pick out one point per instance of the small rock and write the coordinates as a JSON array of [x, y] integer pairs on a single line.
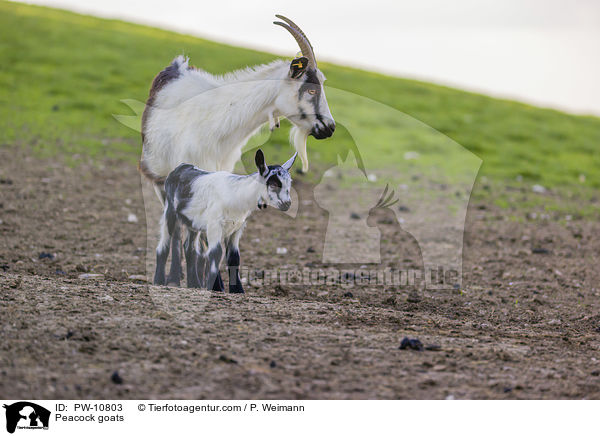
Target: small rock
[[411, 344], [90, 276], [226, 359], [282, 250], [44, 255], [540, 250], [273, 364], [132, 218], [539, 189], [403, 209], [116, 378], [411, 155], [139, 277], [67, 335], [372, 178], [354, 216], [310, 250], [449, 397], [349, 295], [60, 272]]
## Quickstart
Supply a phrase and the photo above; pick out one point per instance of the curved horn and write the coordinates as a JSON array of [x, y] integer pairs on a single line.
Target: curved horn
[[300, 38]]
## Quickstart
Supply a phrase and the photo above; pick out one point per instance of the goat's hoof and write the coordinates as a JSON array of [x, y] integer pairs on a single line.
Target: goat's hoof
[[236, 290]]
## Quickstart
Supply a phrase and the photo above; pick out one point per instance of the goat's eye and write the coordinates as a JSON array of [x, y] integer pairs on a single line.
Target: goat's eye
[[312, 91]]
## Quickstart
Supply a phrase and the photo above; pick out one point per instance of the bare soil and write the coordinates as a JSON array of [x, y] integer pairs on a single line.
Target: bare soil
[[524, 324]]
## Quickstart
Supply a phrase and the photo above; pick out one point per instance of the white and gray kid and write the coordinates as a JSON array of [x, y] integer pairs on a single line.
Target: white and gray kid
[[214, 206]]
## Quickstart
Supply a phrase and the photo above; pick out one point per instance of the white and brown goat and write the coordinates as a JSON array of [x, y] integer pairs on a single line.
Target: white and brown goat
[[194, 117]]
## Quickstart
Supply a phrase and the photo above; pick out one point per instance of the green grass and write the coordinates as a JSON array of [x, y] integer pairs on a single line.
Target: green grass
[[63, 76]]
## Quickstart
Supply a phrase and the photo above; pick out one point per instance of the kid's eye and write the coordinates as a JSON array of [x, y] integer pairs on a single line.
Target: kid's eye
[[312, 91]]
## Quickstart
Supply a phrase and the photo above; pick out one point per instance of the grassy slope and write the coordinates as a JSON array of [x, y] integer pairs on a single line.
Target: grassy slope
[[62, 76]]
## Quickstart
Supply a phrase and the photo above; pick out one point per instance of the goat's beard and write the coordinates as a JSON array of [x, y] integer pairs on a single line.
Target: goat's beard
[[298, 138]]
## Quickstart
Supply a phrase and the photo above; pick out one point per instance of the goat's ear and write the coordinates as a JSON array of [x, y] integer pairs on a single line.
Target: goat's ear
[[286, 166], [259, 160], [298, 67]]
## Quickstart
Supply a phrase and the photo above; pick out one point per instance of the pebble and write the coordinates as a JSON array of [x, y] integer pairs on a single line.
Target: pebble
[[139, 277], [349, 295], [226, 359], [90, 276], [44, 255], [411, 344], [539, 250], [132, 218], [116, 378], [282, 250], [538, 189]]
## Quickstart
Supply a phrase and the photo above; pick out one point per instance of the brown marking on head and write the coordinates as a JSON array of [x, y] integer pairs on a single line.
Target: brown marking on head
[[167, 75]]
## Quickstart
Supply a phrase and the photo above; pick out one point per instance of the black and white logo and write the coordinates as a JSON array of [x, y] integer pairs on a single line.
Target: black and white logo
[[26, 415]]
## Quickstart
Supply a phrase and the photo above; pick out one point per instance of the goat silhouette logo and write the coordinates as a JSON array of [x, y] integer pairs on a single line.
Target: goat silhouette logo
[[26, 415]]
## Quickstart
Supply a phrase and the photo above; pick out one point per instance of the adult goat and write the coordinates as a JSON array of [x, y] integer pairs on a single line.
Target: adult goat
[[194, 117]]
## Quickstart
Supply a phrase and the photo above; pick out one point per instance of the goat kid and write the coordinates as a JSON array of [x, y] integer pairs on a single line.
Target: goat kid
[[214, 206]]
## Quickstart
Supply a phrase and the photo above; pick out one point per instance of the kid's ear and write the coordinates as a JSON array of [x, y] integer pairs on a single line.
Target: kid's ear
[[298, 67], [259, 160], [286, 166]]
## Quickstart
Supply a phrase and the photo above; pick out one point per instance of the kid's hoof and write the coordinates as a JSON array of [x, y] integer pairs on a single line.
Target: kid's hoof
[[236, 290]]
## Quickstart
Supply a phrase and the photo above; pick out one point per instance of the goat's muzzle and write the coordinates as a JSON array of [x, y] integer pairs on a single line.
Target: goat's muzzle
[[284, 205], [323, 130]]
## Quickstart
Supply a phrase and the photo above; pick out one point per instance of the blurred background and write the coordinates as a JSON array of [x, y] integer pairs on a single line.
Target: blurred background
[[543, 52]]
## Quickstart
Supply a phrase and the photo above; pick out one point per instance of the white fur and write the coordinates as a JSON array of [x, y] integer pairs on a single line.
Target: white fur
[[205, 120]]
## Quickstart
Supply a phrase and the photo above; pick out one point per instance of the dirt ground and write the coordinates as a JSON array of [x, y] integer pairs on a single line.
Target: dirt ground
[[524, 324]]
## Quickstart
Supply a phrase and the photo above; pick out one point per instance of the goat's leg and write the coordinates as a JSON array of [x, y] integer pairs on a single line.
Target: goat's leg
[[191, 259], [162, 250], [214, 255], [201, 260], [174, 277], [233, 263]]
